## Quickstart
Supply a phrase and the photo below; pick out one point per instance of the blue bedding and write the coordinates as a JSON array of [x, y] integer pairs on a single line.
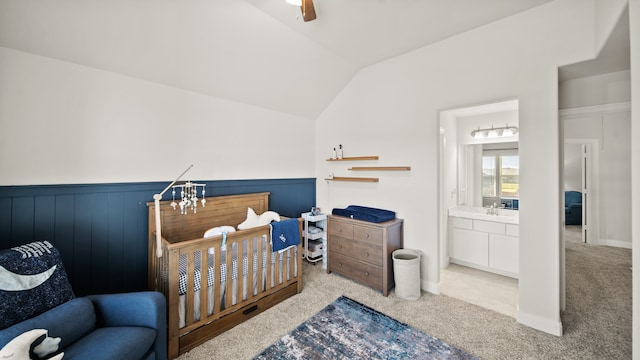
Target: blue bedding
[[284, 234], [365, 213]]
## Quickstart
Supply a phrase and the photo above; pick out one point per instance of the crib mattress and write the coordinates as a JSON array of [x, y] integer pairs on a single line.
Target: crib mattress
[[365, 213]]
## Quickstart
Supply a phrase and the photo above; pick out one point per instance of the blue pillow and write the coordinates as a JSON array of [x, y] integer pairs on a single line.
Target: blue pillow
[[32, 281]]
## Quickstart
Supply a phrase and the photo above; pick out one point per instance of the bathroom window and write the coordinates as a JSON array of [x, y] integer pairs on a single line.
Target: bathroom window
[[500, 174], [489, 176]]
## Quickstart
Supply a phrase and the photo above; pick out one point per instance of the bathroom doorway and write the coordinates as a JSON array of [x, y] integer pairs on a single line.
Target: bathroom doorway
[[466, 134]]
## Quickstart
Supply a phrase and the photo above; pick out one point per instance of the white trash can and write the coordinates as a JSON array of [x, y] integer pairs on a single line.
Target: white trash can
[[406, 273]]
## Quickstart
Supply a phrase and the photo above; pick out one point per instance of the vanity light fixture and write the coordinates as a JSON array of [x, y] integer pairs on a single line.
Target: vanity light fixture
[[494, 132], [307, 9]]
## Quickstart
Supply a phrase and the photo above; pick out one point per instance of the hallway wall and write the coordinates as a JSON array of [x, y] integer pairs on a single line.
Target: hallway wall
[[611, 128]]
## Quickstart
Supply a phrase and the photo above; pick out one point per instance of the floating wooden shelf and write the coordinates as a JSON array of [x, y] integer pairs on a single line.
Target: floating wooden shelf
[[358, 179], [355, 158], [382, 168]]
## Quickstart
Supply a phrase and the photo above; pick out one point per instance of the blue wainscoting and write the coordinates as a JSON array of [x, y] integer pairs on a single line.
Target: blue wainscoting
[[101, 229]]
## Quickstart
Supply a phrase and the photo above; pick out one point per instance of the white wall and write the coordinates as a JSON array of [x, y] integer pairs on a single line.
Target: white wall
[[608, 12], [596, 107], [449, 196], [65, 123], [572, 167], [612, 130], [596, 90], [634, 23], [392, 111]]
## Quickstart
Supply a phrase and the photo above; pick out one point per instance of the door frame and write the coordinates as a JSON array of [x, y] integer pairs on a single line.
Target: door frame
[[590, 178]]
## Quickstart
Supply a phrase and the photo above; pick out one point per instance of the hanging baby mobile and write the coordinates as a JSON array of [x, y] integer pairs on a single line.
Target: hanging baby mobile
[[188, 199], [188, 196]]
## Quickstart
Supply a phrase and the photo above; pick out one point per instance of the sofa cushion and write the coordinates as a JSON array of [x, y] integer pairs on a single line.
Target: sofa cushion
[[32, 281], [69, 321], [121, 342]]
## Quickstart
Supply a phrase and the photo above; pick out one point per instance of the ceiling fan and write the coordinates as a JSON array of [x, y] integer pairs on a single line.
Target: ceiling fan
[[308, 11]]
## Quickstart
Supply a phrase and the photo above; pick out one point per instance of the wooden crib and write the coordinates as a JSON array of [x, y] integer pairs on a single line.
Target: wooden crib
[[262, 279]]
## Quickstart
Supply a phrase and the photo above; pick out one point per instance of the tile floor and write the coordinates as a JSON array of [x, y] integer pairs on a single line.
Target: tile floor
[[491, 291]]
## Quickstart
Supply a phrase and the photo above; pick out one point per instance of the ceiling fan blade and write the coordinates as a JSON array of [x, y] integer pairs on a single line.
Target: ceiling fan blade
[[308, 11]]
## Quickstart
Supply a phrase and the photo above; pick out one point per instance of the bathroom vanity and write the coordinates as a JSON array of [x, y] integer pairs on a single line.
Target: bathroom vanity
[[484, 241]]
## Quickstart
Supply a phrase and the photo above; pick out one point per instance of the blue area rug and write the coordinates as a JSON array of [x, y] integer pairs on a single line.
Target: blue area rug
[[347, 329]]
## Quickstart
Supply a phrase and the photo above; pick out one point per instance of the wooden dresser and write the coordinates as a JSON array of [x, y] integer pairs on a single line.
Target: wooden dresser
[[362, 250]]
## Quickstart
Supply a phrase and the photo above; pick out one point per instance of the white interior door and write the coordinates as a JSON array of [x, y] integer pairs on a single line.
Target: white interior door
[[586, 185]]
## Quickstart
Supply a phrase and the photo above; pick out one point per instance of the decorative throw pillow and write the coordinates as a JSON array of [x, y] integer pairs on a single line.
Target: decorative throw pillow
[[254, 220], [32, 281], [20, 347]]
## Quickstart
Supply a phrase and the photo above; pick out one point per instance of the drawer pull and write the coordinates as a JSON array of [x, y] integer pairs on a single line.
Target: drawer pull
[[367, 254], [366, 273], [250, 310], [340, 230], [366, 235]]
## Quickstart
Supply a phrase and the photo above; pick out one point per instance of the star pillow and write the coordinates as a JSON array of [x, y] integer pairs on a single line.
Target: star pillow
[[254, 220], [20, 347]]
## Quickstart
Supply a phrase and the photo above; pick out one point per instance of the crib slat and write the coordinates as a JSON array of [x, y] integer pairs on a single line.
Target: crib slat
[[172, 295], [269, 283], [278, 269], [204, 279], [190, 281], [262, 267], [216, 286], [228, 275], [250, 266]]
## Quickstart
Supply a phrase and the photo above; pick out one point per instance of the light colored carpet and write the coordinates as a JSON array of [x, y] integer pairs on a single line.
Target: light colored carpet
[[597, 323], [573, 233]]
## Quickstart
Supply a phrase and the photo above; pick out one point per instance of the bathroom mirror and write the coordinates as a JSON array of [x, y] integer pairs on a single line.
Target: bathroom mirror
[[484, 134]]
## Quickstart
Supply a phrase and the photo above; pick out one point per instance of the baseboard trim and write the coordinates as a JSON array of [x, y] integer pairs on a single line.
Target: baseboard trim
[[614, 243], [431, 287], [539, 323]]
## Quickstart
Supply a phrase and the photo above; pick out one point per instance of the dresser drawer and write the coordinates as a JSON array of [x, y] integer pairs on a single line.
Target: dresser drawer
[[342, 229], [356, 250], [356, 270], [367, 234], [361, 250]]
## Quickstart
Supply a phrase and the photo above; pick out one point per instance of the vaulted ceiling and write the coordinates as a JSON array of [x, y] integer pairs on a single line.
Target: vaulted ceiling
[[257, 52]]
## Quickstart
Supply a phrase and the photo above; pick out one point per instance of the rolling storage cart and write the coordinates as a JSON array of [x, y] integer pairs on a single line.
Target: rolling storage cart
[[315, 237]]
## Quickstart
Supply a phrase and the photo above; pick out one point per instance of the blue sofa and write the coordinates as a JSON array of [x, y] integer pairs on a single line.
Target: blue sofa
[[572, 208], [108, 326], [113, 326]]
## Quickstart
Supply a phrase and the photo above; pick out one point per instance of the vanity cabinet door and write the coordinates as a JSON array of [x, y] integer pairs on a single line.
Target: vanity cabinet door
[[471, 247], [504, 253]]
